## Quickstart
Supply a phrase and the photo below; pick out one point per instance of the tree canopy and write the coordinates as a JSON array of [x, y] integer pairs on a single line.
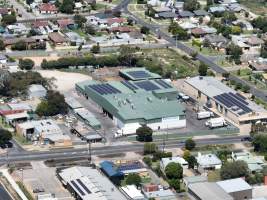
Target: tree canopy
[[67, 6], [8, 19], [260, 143], [190, 144], [234, 169], [174, 171], [5, 136], [144, 134], [53, 104], [133, 179], [191, 5], [2, 45], [177, 31], [202, 69], [26, 64], [234, 51], [79, 20]]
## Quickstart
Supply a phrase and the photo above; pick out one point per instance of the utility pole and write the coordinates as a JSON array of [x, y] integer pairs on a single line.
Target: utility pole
[[89, 152], [7, 161]]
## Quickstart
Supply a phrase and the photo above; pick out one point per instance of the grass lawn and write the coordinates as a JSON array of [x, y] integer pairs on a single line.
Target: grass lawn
[[21, 140], [205, 50], [25, 191], [100, 6], [243, 72], [256, 6], [4, 125], [214, 176], [80, 32]]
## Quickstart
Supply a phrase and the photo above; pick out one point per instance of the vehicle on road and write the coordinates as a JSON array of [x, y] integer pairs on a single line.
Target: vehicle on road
[[183, 96], [216, 122], [7, 145], [204, 114], [247, 138]]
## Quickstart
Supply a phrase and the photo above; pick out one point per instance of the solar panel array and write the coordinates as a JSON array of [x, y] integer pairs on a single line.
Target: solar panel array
[[83, 189], [129, 85], [163, 83], [139, 74], [75, 185], [132, 166], [234, 101], [104, 88], [147, 85], [83, 186]]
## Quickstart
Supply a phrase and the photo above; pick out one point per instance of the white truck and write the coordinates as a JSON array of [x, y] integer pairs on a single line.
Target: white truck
[[216, 122], [204, 114], [183, 96]]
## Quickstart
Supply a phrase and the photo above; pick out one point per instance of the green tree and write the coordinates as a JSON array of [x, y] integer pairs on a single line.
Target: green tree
[[260, 143], [5, 136], [67, 6], [174, 171], [177, 31], [19, 46], [209, 3], [245, 88], [90, 30], [228, 17], [79, 20], [234, 51], [175, 184], [236, 30], [2, 45], [144, 30], [234, 169], [95, 49], [192, 162], [53, 104], [128, 55], [26, 64], [144, 134], [186, 154], [190, 144], [150, 148], [133, 179], [8, 19], [147, 160], [202, 69], [191, 5]]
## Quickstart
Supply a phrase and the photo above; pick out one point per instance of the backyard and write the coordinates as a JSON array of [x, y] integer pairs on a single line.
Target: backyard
[[256, 6]]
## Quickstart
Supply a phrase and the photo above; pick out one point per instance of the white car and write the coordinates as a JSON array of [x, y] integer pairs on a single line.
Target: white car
[[183, 96]]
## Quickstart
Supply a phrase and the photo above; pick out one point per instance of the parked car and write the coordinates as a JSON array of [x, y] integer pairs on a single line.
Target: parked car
[[7, 145], [247, 138]]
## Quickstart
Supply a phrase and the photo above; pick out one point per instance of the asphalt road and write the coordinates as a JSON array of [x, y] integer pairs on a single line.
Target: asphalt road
[[3, 194], [107, 150]]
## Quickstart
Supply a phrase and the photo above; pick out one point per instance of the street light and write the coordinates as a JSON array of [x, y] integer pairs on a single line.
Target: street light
[[89, 152], [21, 175]]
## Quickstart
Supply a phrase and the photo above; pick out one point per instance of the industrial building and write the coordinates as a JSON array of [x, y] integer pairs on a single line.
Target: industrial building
[[131, 104], [45, 131], [222, 99], [86, 183]]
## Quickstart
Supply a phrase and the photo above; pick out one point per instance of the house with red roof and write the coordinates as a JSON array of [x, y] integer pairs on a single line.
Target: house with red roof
[[48, 8], [115, 22]]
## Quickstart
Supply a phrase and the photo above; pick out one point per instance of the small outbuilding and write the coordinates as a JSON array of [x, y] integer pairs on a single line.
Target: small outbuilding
[[36, 91]]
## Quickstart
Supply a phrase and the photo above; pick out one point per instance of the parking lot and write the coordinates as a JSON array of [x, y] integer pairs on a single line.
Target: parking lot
[[43, 179]]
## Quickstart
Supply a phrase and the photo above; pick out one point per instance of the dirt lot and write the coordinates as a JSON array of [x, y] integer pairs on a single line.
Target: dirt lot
[[64, 81]]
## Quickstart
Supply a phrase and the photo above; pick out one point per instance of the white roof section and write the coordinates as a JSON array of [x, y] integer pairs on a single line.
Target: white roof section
[[73, 103], [19, 106], [17, 116], [133, 192], [208, 160], [36, 88], [179, 160], [99, 186], [234, 185]]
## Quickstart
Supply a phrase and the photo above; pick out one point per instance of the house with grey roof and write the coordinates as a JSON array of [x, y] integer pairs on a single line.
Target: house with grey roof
[[217, 42], [167, 15], [185, 14], [208, 162], [36, 91], [75, 39], [217, 9], [200, 13], [3, 59]]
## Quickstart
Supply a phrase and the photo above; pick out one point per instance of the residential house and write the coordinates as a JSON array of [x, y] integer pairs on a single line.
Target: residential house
[[236, 7], [244, 24], [158, 192], [66, 23], [46, 131], [228, 2], [12, 67], [208, 162], [16, 117], [217, 42], [4, 11], [165, 161], [194, 179], [30, 41], [132, 192], [42, 27], [57, 38], [188, 25], [259, 65], [75, 39], [255, 163], [198, 32], [178, 6], [3, 59], [18, 29], [250, 44], [166, 15], [185, 14], [201, 13], [120, 29], [115, 22], [48, 8]]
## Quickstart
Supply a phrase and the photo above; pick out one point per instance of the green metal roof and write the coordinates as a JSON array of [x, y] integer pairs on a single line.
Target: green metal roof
[[124, 73], [140, 105]]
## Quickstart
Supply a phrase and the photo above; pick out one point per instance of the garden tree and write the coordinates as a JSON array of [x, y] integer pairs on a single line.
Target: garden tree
[[234, 51], [194, 55], [192, 162], [26, 64], [191, 5], [206, 43], [175, 184], [177, 31], [202, 69], [144, 134], [147, 160], [95, 49], [238, 86], [245, 88], [127, 55], [2, 45], [263, 50], [117, 13], [29, 2], [53, 104], [174, 171], [144, 30], [190, 144], [67, 6], [8, 19], [228, 17], [19, 46], [236, 30], [79, 20], [260, 143], [226, 74], [130, 22], [209, 3], [234, 169], [186, 154], [133, 179], [5, 136], [260, 23], [150, 148], [90, 30]]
